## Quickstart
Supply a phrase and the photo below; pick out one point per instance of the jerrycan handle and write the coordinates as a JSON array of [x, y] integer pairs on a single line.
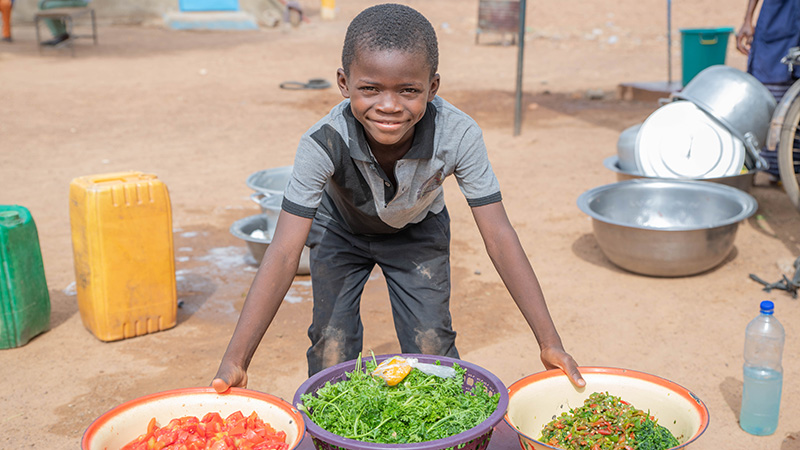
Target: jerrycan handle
[[122, 178], [9, 218]]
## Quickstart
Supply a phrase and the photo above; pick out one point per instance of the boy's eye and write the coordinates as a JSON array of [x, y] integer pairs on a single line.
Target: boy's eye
[[368, 89]]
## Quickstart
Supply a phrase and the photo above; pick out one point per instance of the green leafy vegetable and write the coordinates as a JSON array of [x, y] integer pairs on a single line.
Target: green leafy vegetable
[[420, 408], [606, 422]]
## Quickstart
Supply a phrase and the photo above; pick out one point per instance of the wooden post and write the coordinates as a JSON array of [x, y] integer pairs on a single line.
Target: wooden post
[[520, 57]]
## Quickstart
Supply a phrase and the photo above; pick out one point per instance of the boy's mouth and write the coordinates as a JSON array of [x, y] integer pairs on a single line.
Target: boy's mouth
[[386, 125]]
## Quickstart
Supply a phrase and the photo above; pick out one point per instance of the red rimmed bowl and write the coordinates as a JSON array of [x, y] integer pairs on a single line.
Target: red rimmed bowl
[[537, 399], [476, 438], [127, 421]]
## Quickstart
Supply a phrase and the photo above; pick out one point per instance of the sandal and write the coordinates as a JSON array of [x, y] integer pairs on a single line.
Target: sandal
[[314, 83]]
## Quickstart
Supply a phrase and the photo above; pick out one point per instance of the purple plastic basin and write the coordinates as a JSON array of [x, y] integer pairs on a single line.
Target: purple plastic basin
[[476, 438]]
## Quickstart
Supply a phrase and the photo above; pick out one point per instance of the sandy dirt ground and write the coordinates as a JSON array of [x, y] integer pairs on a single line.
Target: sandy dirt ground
[[203, 110]]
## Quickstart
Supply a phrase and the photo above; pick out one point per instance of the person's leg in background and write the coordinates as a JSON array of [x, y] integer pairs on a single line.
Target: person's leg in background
[[57, 27], [5, 11]]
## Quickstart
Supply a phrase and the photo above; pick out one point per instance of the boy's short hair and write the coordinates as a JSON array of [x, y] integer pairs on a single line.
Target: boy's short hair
[[390, 27]]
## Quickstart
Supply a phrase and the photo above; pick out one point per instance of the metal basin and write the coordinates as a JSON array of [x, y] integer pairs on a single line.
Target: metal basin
[[743, 181], [270, 181], [270, 205], [243, 228], [666, 228]]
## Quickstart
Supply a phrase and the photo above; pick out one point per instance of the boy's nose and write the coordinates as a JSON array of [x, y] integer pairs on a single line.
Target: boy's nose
[[388, 103]]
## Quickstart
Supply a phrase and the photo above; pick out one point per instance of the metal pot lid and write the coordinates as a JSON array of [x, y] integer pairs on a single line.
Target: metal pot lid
[[680, 140]]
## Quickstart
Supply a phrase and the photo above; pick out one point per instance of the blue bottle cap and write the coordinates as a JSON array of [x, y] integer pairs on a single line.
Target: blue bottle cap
[[767, 307]]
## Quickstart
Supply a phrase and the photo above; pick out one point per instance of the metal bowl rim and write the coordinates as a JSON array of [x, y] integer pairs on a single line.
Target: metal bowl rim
[[251, 180], [612, 163], [746, 201]]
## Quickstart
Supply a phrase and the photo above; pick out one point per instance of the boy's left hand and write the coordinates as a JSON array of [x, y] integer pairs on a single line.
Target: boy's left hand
[[557, 358]]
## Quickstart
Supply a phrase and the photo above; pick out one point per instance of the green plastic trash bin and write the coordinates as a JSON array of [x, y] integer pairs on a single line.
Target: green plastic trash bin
[[702, 48]]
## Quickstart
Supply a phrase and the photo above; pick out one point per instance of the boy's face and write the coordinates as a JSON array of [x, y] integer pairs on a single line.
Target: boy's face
[[388, 92]]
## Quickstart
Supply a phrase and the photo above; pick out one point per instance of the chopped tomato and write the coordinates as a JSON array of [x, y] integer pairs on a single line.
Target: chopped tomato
[[235, 432]]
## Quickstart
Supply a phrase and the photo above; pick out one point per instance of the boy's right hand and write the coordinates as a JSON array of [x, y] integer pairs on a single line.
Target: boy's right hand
[[228, 376]]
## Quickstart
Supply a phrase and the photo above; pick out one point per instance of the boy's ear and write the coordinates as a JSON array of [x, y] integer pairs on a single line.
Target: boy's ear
[[341, 81], [434, 87]]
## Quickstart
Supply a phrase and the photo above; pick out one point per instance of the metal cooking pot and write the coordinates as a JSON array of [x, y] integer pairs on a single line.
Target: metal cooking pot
[[738, 100]]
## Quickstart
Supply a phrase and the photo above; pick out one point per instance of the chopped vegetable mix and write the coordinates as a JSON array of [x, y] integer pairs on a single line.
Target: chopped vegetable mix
[[236, 432], [606, 422], [419, 408]]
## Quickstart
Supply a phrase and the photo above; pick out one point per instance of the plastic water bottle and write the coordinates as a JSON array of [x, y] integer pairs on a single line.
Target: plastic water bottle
[[763, 375]]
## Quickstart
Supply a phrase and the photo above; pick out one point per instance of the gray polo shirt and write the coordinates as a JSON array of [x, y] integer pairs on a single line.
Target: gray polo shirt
[[336, 177]]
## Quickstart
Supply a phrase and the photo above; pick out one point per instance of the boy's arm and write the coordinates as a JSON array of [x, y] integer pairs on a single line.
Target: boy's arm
[[269, 286], [508, 257]]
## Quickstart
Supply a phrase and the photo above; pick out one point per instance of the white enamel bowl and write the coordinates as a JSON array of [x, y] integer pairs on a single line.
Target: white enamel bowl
[[127, 421], [537, 399]]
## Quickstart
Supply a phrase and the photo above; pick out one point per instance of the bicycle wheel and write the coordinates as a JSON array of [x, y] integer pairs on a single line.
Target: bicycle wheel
[[789, 153]]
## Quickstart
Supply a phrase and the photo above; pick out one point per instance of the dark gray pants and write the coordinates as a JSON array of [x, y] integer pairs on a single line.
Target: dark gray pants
[[416, 265]]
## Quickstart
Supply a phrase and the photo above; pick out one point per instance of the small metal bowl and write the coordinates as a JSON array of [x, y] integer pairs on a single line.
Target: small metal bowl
[[270, 205], [244, 228], [270, 181], [743, 181], [666, 228]]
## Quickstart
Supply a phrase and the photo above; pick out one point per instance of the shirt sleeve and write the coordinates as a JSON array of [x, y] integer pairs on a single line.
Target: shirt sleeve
[[312, 170], [473, 171]]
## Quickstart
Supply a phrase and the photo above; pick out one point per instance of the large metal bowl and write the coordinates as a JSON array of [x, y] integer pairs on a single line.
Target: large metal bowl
[[666, 228], [743, 181]]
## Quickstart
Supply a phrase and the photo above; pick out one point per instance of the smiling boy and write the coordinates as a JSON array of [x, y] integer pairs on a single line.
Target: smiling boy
[[366, 189]]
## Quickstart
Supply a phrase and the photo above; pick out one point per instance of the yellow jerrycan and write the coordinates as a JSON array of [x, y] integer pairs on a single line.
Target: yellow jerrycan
[[124, 256]]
